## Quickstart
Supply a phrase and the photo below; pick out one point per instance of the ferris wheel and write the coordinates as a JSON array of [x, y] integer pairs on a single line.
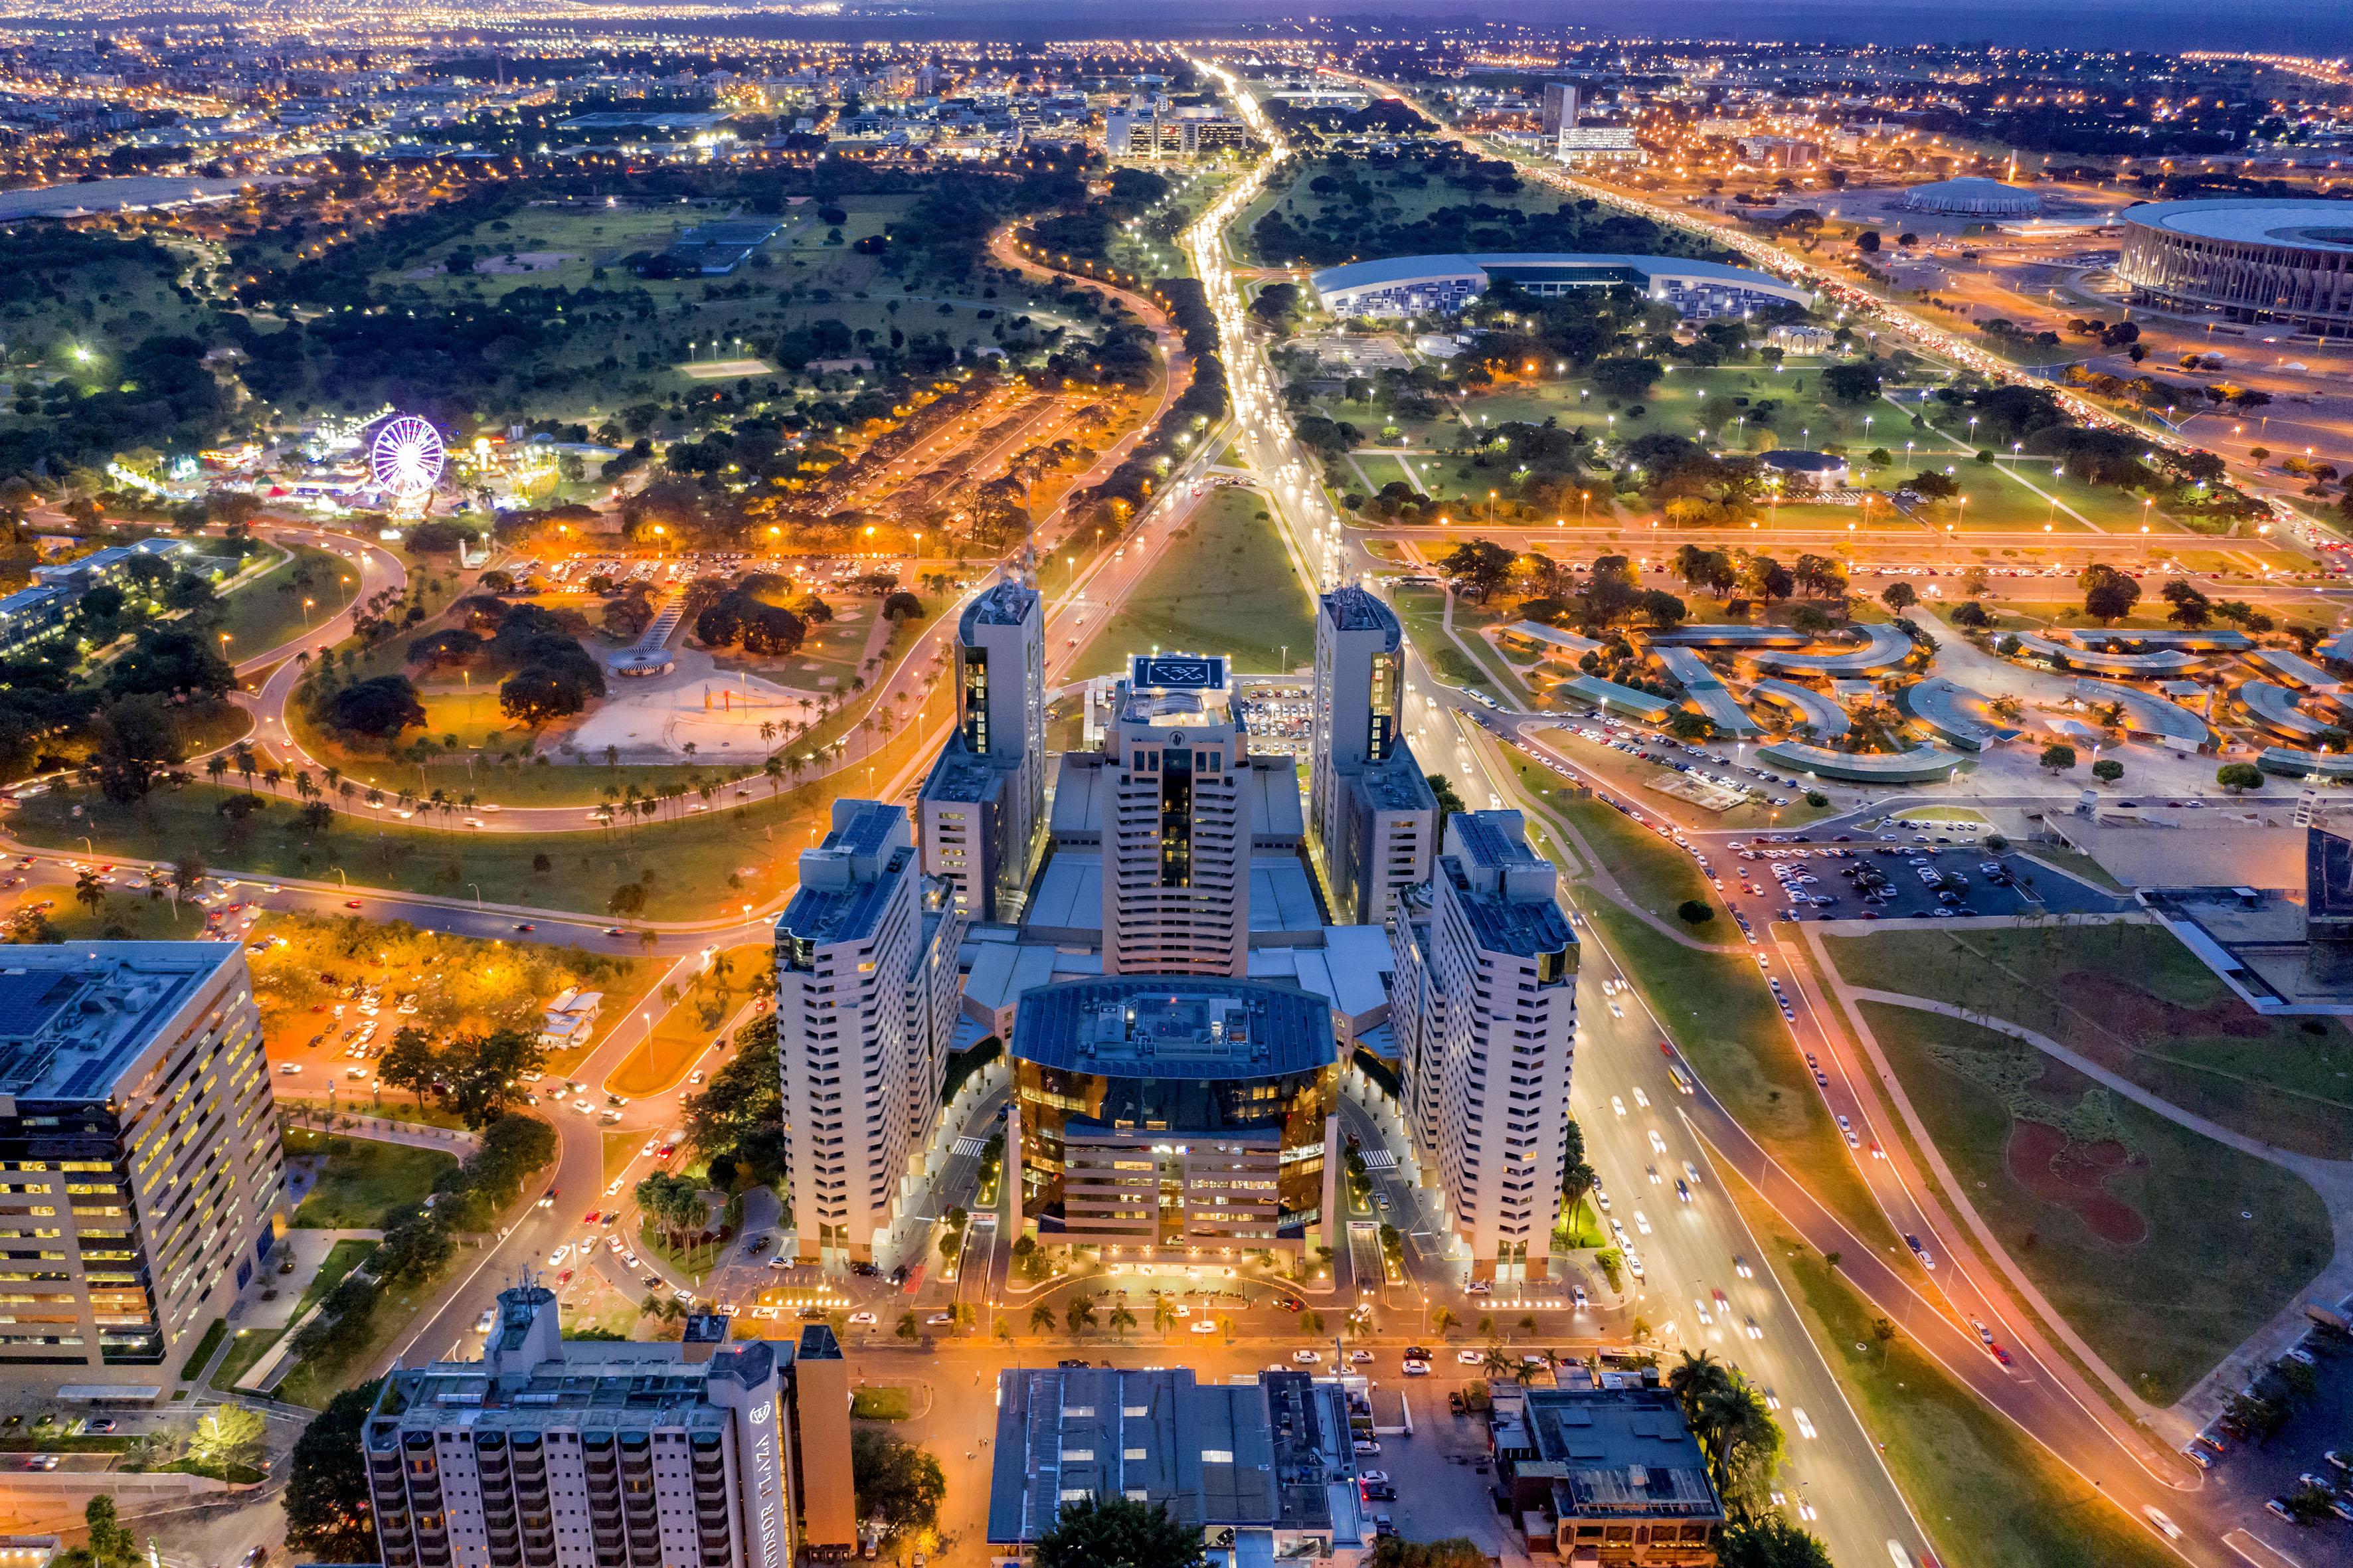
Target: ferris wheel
[[407, 457]]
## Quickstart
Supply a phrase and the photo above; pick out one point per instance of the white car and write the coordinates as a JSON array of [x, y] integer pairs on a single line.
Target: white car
[[1205, 1326], [1618, 1104], [556, 1258], [863, 1320], [1469, 1357], [483, 1324], [1641, 1222], [1805, 1422], [1642, 1100], [1306, 1357]]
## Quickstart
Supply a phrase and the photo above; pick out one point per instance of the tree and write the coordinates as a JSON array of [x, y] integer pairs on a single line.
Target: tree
[[911, 1328], [1899, 597], [2237, 776], [2108, 595], [1041, 1317], [379, 707], [410, 1062], [2191, 607], [2056, 758], [134, 740], [1478, 567], [1695, 911], [1857, 381], [88, 891], [1080, 1315], [1770, 1542], [327, 1492], [1118, 1532], [672, 1202], [111, 1544], [626, 900], [1121, 1321], [485, 1073], [229, 1436], [1970, 615], [2107, 770], [1734, 1428], [899, 1486], [536, 695]]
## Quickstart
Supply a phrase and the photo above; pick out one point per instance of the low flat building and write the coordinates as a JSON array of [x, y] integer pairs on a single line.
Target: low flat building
[[1262, 1467], [1442, 285], [1613, 1470]]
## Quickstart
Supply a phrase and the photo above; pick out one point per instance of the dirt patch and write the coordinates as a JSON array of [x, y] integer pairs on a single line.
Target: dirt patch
[[2123, 1009], [2041, 1160], [520, 261]]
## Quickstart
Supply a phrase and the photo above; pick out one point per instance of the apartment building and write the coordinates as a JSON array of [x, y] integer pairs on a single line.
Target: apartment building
[[983, 806], [866, 976], [143, 1170], [1484, 1004], [1373, 818], [1176, 840], [556, 1453]]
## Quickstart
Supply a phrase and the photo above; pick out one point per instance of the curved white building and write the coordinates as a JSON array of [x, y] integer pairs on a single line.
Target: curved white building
[[1972, 197], [1418, 285], [2252, 260]]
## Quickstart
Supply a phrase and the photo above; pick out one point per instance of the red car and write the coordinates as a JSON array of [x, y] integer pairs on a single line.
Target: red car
[[665, 1152], [591, 1217], [353, 904]]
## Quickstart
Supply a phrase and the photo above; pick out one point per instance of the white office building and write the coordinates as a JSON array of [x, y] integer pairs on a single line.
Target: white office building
[[865, 978], [1373, 818], [145, 1175], [555, 1453], [1177, 837], [1483, 1004], [984, 803]]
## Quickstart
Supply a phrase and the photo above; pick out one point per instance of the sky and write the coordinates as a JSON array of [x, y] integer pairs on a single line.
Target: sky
[[2323, 27]]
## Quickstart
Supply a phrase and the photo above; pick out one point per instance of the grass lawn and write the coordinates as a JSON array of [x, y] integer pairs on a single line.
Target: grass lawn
[[752, 852], [2158, 1306], [2132, 999], [1652, 871], [1989, 1495], [1223, 584], [365, 1183], [204, 1348], [268, 610], [880, 1404], [314, 1383], [620, 1148], [682, 1034], [251, 1345]]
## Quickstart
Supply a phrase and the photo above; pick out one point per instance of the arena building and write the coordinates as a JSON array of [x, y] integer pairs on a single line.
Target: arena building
[[1418, 285], [2251, 260], [1175, 1115], [1970, 196]]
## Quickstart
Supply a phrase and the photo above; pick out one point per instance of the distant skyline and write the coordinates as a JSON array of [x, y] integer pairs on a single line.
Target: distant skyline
[[2317, 27]]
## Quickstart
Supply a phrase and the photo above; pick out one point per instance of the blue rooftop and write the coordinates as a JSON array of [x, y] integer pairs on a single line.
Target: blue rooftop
[[1175, 1026], [73, 1019]]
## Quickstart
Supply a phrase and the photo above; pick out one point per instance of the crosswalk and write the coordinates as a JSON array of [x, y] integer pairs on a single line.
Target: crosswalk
[[1380, 1160], [967, 1148]]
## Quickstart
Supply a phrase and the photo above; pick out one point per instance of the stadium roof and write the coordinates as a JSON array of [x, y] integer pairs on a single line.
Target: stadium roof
[[2313, 226]]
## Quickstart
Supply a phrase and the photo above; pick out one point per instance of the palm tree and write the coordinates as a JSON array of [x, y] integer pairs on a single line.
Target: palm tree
[[1164, 1315], [909, 1329], [1122, 1320], [1041, 1319], [1497, 1363], [1080, 1315], [215, 767], [1443, 1320]]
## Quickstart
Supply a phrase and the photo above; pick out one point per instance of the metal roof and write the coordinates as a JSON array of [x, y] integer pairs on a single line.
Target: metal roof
[[1391, 271]]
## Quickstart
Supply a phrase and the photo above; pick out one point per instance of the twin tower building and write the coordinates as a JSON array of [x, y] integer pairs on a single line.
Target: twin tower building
[[1180, 964]]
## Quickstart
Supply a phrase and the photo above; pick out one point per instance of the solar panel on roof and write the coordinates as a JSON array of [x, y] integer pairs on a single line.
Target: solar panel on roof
[[28, 1001]]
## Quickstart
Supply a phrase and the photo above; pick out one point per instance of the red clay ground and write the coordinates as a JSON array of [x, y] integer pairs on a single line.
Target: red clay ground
[[2041, 1160]]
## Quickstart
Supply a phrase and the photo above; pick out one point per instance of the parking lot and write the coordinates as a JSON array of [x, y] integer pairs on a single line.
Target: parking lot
[[1898, 876]]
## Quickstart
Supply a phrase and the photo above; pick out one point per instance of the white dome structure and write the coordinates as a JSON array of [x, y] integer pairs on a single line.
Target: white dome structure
[[1970, 196]]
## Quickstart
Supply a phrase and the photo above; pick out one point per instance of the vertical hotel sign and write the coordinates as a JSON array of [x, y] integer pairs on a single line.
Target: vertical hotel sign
[[767, 1484]]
